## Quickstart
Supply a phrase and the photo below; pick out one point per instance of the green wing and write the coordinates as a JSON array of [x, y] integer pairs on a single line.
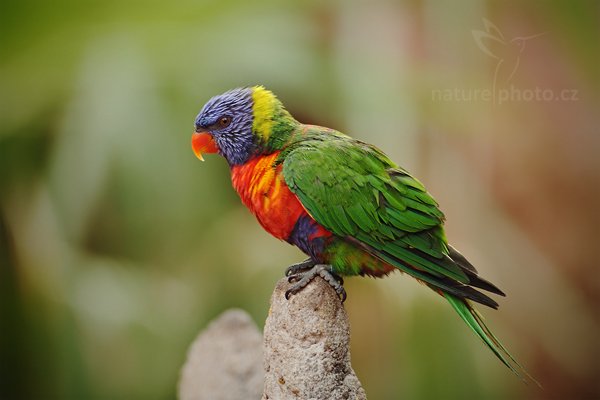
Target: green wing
[[356, 192]]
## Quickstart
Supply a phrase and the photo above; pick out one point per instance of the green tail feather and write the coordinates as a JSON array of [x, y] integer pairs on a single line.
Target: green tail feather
[[475, 321]]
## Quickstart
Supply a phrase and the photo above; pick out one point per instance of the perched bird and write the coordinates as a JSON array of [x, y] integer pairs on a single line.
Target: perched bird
[[341, 201]]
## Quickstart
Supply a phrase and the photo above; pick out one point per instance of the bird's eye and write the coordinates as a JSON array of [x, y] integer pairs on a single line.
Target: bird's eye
[[224, 122]]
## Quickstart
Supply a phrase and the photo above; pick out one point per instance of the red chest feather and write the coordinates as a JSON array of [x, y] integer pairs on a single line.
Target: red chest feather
[[263, 190]]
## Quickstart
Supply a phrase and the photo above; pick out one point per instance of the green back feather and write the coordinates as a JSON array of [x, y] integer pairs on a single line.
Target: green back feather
[[356, 192]]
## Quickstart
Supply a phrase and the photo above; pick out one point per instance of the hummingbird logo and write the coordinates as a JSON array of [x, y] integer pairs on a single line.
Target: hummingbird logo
[[508, 52]]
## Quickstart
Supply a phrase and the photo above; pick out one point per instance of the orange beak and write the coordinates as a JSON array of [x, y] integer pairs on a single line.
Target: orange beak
[[203, 142]]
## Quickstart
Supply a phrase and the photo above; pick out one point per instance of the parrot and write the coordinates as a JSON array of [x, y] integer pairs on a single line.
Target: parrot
[[342, 202]]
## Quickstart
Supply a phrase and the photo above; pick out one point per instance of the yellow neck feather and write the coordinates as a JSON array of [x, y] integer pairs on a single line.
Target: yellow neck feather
[[264, 108]]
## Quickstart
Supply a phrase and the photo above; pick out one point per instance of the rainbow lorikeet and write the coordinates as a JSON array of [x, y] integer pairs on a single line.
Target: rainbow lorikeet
[[343, 202]]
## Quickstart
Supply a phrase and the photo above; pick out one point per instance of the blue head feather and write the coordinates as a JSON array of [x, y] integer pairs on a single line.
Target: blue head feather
[[236, 141]]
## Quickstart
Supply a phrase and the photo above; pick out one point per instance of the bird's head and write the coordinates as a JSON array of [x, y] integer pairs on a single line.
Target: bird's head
[[239, 124]]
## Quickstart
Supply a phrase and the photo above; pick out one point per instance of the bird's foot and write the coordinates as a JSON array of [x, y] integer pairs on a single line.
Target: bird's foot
[[301, 274], [300, 267]]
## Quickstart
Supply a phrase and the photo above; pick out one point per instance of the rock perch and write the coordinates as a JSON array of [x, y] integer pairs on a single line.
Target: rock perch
[[306, 346], [305, 352]]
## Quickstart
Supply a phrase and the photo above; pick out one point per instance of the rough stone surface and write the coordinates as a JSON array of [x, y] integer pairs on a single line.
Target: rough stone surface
[[224, 362], [306, 346]]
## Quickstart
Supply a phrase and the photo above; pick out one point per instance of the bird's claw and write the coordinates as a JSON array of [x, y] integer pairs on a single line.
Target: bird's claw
[[305, 265], [301, 276]]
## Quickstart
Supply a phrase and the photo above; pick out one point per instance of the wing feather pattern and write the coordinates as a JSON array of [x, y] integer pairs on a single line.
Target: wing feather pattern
[[356, 192]]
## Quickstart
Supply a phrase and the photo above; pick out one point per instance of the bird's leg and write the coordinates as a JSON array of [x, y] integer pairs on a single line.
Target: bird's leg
[[301, 279], [299, 267]]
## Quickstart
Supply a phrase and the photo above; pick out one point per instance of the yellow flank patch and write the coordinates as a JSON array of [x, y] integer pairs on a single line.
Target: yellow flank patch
[[264, 106]]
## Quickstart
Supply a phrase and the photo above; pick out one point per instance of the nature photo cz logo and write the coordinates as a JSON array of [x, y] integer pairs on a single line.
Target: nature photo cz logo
[[508, 54]]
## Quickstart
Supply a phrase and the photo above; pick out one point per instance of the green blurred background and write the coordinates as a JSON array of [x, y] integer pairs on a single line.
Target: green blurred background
[[117, 246]]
